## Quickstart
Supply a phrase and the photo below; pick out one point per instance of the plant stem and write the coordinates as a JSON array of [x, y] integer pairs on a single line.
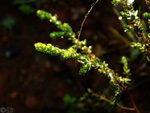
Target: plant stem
[[147, 4], [109, 101], [79, 33], [133, 102]]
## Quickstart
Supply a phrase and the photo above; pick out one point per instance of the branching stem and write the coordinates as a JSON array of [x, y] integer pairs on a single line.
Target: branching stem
[[79, 33], [109, 101]]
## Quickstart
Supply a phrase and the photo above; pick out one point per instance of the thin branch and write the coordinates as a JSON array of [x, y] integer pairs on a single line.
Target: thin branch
[[79, 33], [147, 4], [126, 108], [133, 102], [109, 101]]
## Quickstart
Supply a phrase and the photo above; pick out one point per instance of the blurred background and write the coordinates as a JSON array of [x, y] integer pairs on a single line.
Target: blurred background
[[34, 82]]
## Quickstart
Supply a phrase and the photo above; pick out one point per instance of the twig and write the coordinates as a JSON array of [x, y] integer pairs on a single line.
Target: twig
[[122, 107], [109, 101], [133, 102], [79, 33], [147, 4]]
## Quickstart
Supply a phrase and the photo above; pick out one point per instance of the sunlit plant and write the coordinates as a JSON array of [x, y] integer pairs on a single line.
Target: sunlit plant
[[89, 60]]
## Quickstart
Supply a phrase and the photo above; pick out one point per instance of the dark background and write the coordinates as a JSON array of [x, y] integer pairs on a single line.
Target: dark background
[[34, 82]]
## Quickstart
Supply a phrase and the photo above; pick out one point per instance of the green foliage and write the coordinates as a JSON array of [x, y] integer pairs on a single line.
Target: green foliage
[[69, 100], [130, 14], [8, 23], [85, 68], [88, 59], [25, 5], [26, 9], [125, 67], [72, 104], [66, 29], [48, 48], [146, 15], [139, 46]]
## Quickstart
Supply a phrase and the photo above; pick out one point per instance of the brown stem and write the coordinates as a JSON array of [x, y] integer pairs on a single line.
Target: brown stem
[[109, 101], [147, 47], [147, 4], [131, 98], [133, 102], [82, 27], [126, 108]]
